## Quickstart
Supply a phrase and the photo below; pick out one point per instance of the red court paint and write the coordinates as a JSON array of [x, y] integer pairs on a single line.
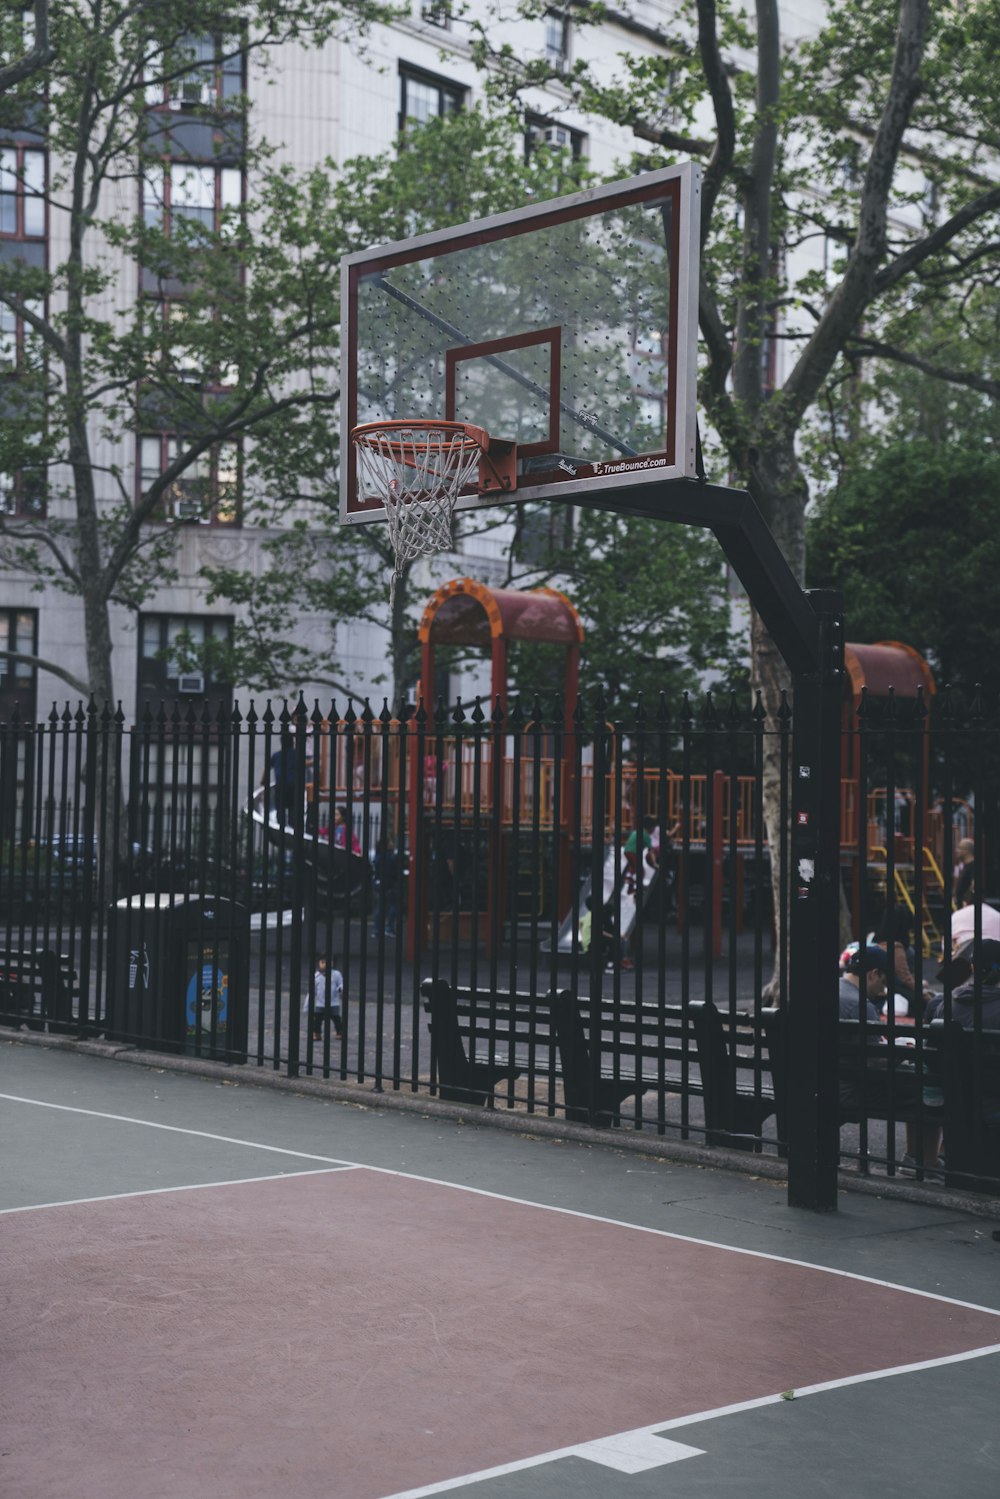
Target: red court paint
[[350, 1335]]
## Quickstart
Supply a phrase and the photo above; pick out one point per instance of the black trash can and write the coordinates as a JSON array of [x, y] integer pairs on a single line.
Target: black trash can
[[178, 975]]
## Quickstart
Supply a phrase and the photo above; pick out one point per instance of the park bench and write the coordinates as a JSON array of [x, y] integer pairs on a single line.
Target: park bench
[[667, 1049], [37, 987], [642, 1047], [736, 1077], [878, 1080], [969, 1069], [481, 1037]]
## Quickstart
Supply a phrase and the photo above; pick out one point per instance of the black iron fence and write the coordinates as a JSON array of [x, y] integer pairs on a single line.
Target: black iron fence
[[575, 916]]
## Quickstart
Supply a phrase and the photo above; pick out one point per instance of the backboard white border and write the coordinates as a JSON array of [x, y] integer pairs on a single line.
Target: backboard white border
[[638, 470]]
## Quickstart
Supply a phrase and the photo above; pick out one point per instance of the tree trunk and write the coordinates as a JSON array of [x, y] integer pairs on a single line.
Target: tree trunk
[[780, 490]]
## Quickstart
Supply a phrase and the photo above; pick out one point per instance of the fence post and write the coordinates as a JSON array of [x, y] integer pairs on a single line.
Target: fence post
[[813, 1125], [715, 853]]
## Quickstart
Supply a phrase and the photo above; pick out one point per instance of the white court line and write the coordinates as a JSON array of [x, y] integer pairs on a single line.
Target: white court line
[[176, 1129], [236, 1181], [638, 1448], [630, 1451], [433, 1181]]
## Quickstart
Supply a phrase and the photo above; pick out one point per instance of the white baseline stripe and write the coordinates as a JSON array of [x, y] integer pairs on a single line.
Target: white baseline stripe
[[176, 1129], [640, 1228], [641, 1440], [237, 1181]]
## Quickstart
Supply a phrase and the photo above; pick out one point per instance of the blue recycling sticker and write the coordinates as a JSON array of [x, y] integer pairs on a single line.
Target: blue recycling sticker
[[206, 984]]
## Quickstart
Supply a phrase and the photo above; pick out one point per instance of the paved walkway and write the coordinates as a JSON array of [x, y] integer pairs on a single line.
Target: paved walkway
[[216, 1290]]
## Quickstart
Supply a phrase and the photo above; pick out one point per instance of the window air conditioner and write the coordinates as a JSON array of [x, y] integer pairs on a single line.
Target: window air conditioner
[[187, 510], [193, 682], [557, 135], [189, 95]]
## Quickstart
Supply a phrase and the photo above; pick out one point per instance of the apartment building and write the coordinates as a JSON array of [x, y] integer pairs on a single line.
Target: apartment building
[[337, 101]]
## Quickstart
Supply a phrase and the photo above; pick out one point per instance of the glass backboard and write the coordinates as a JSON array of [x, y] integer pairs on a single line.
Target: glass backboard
[[568, 327]]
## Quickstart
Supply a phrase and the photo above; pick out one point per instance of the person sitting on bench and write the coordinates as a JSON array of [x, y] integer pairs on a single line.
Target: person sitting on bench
[[881, 1093], [983, 962]]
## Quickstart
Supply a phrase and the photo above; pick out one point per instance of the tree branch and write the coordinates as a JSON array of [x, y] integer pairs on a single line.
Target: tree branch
[[857, 288], [42, 663], [916, 254], [38, 324], [721, 161], [873, 349], [753, 310], [40, 537], [39, 57]]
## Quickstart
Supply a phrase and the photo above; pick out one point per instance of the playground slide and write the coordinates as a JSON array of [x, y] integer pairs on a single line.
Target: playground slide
[[340, 868], [631, 888]]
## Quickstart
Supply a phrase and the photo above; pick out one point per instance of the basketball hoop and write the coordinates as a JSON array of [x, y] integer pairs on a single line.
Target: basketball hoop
[[418, 470]]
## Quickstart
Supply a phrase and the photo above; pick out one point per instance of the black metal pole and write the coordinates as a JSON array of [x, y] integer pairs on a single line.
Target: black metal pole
[[814, 1143]]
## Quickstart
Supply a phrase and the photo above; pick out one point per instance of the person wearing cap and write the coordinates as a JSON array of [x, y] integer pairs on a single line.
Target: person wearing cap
[[905, 1088], [876, 963]]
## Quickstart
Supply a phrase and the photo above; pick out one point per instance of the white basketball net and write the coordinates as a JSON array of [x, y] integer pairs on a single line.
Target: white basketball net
[[418, 473]]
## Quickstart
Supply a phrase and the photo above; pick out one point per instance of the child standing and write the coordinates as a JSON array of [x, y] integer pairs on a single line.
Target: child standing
[[327, 992]]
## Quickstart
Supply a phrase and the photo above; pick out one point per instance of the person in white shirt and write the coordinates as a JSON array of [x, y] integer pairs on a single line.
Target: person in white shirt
[[326, 997], [963, 925]]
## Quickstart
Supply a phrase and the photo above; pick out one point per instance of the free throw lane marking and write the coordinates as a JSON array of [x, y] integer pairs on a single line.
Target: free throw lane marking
[[177, 1129], [237, 1181]]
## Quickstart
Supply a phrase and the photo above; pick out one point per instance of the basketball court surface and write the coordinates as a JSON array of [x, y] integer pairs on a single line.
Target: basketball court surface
[[219, 1290]]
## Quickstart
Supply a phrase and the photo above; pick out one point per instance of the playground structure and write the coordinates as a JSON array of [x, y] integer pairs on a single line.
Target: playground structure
[[490, 778], [896, 831]]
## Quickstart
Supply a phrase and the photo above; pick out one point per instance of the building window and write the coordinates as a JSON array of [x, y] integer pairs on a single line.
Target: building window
[[206, 493], [557, 40], [180, 344], [183, 191], [423, 97], [211, 74], [22, 492], [22, 193], [538, 131], [21, 347], [18, 633], [176, 662]]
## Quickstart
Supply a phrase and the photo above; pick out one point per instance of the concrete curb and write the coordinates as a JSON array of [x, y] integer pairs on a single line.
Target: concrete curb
[[531, 1126]]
